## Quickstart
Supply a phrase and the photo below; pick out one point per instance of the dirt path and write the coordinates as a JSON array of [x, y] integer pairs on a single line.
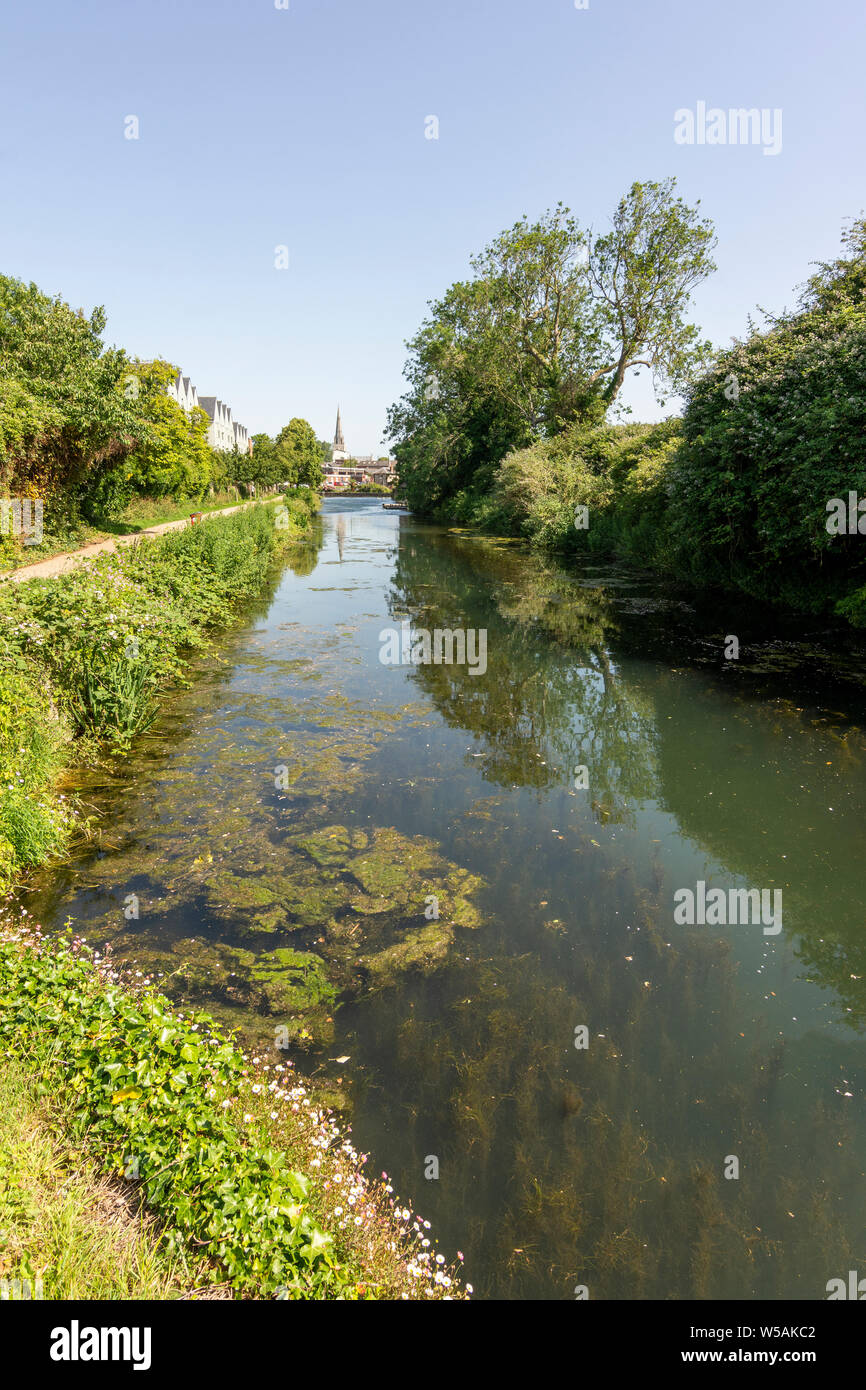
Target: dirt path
[[59, 564]]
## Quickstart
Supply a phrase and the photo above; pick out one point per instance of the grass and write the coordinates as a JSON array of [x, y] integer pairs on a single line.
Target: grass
[[85, 656], [141, 514], [248, 1180], [67, 1232]]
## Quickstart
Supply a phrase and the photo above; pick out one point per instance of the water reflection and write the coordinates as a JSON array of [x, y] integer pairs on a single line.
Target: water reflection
[[558, 1166]]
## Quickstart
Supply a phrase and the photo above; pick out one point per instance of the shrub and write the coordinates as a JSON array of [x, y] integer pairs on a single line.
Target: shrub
[[619, 473], [148, 1091], [770, 436]]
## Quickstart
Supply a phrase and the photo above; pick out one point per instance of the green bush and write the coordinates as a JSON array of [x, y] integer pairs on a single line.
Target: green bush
[[115, 692], [771, 435], [32, 824], [620, 473], [153, 1093], [757, 471]]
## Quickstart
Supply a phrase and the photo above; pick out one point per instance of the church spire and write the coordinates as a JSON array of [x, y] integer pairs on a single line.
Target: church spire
[[339, 442]]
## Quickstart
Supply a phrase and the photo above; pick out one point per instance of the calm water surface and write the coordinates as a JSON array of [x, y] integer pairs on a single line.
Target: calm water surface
[[558, 1166]]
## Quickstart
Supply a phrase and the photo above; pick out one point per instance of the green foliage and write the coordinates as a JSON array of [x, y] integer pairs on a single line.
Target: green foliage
[[141, 606], [148, 1090], [64, 417], [618, 472], [32, 825], [771, 435], [354, 489], [91, 651], [294, 457], [736, 494], [176, 459], [113, 692], [542, 337], [299, 454], [292, 515]]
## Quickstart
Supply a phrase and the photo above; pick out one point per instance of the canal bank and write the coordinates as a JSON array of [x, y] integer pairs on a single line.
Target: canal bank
[[452, 894], [248, 1187]]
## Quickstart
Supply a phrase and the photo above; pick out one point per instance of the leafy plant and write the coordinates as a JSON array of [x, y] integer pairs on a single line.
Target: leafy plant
[[115, 694], [541, 338], [153, 1093]]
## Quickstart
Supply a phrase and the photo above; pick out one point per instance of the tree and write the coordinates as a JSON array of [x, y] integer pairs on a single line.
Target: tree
[[259, 467], [771, 434], [542, 336], [176, 458], [840, 283], [642, 275], [66, 410], [298, 454]]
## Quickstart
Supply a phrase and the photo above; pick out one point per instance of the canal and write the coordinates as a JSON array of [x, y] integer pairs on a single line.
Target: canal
[[460, 881]]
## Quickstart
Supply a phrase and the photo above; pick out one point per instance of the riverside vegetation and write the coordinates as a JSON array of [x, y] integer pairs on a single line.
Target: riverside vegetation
[[505, 424], [92, 433], [208, 1138], [240, 1170], [85, 655]]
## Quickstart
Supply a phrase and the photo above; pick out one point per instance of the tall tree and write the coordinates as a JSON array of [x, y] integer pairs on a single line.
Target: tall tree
[[176, 457], [66, 408], [298, 454], [642, 274], [543, 335]]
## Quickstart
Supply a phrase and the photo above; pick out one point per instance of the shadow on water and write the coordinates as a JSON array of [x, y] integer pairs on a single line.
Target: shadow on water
[[287, 825]]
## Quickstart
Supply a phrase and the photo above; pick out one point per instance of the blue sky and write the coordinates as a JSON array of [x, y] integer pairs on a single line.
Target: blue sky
[[305, 127]]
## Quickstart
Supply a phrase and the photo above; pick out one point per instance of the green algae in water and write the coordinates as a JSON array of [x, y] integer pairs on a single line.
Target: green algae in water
[[603, 1167], [292, 981], [422, 949]]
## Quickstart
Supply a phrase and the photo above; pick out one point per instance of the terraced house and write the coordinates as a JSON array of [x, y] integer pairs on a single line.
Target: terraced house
[[223, 433]]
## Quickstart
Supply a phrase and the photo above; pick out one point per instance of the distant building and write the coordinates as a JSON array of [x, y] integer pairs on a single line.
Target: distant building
[[224, 433], [339, 454], [183, 391], [344, 469], [220, 434], [380, 471]]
